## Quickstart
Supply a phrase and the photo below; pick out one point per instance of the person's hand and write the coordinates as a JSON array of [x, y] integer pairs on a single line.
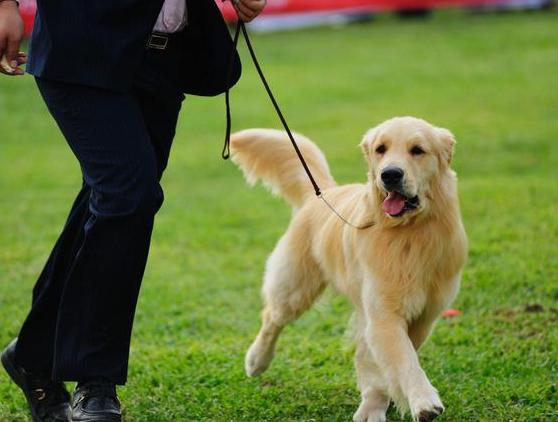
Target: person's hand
[[248, 9], [11, 34]]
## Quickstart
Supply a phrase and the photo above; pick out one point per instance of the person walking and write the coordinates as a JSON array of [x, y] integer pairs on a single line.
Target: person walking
[[113, 75]]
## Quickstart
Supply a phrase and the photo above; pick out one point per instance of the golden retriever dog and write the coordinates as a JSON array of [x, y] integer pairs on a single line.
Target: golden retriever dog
[[399, 273]]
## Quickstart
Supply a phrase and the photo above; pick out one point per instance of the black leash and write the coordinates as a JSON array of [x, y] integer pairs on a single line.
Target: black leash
[[226, 147]]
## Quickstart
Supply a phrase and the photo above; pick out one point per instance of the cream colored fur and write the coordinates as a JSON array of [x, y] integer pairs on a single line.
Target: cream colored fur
[[399, 274]]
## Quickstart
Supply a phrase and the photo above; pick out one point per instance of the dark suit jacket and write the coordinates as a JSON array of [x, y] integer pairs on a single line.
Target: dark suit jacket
[[101, 43]]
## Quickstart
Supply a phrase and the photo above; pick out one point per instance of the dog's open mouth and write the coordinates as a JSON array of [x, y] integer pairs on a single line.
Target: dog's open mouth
[[397, 204]]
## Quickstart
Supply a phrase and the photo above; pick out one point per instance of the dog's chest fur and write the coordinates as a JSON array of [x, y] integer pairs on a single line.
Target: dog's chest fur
[[404, 267], [411, 266]]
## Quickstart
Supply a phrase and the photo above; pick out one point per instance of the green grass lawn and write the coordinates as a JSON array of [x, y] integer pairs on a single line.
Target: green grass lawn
[[491, 79]]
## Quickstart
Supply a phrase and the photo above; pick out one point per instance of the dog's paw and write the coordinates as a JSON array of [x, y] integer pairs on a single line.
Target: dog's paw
[[257, 360], [430, 415], [427, 408], [369, 412]]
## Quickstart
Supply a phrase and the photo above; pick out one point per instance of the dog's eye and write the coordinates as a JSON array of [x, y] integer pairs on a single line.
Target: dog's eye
[[380, 149], [416, 150]]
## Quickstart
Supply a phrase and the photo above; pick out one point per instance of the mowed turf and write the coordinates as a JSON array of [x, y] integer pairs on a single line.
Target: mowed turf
[[492, 80]]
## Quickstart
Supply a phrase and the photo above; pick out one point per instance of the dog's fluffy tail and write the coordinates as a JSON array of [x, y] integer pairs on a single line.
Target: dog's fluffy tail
[[268, 154]]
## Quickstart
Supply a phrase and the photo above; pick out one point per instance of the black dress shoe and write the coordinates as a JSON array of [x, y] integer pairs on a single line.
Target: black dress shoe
[[95, 401], [48, 400]]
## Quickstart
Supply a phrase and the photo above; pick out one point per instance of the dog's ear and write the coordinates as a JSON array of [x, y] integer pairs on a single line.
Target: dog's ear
[[367, 141], [447, 144]]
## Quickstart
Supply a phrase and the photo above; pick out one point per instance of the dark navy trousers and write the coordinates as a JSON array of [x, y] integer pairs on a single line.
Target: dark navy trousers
[[80, 323]]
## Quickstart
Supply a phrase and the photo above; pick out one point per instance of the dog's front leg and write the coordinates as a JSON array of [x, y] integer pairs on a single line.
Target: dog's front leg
[[375, 400], [387, 337]]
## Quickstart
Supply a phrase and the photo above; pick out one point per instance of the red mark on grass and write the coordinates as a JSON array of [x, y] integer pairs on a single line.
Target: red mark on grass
[[450, 313]]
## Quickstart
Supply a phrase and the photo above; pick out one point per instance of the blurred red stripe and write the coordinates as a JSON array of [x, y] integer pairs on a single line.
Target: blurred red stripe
[[277, 7]]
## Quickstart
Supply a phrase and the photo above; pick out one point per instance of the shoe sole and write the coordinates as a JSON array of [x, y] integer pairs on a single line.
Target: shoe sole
[[93, 418], [96, 420]]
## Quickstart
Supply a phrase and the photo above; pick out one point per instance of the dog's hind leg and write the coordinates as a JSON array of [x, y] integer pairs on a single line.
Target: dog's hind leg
[[375, 400], [291, 285]]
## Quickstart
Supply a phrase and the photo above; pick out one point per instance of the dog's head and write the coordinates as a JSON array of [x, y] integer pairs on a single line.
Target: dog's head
[[407, 158]]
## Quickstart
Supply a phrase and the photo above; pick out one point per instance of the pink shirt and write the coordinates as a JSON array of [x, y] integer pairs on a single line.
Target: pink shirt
[[173, 17]]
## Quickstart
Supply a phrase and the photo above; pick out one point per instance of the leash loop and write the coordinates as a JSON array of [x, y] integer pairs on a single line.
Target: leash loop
[[226, 153]]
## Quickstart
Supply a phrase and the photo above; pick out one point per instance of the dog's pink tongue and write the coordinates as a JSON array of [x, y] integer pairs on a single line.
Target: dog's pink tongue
[[394, 203]]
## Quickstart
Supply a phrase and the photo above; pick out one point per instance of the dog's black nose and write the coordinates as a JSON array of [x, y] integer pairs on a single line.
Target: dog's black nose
[[392, 176]]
